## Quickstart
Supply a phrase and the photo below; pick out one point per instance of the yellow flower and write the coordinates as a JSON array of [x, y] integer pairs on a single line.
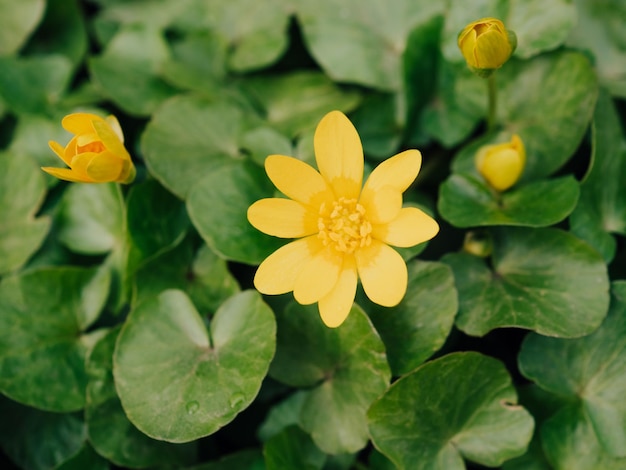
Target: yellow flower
[[96, 153], [502, 164], [486, 45], [343, 230]]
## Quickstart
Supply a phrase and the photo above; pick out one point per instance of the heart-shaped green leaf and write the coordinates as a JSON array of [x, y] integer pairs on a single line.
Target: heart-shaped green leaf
[[601, 209], [17, 22], [218, 205], [544, 280], [466, 200], [462, 405], [178, 382], [333, 364], [22, 188], [43, 316], [590, 370], [420, 324], [110, 432]]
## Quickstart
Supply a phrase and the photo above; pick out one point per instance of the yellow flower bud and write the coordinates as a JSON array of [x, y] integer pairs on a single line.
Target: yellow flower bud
[[486, 45], [478, 243], [502, 164], [96, 153]]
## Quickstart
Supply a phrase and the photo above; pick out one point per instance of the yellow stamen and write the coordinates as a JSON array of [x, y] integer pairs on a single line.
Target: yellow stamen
[[344, 225]]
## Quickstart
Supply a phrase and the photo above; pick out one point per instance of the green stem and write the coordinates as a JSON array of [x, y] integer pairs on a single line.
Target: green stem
[[493, 102]]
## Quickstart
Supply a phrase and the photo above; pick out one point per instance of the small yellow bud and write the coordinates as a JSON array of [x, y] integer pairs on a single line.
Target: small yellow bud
[[478, 243], [502, 164], [486, 44]]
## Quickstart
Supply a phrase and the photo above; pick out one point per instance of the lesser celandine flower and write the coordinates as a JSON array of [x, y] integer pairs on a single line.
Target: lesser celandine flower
[[344, 230], [486, 44], [502, 164], [96, 153]]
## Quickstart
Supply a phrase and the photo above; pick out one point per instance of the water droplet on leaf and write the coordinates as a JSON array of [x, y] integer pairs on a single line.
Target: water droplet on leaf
[[192, 407], [236, 400]]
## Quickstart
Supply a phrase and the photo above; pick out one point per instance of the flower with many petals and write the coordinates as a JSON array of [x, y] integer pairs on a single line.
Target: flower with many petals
[[344, 229], [96, 153]]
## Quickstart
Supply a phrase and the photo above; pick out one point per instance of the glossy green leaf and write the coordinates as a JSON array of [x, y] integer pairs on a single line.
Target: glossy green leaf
[[292, 448], [194, 381], [85, 458], [539, 25], [420, 324], [544, 280], [296, 101], [380, 127], [282, 415], [601, 209], [22, 189], [217, 207], [249, 459], [373, 37], [332, 364], [600, 30], [39, 440], [17, 22], [91, 218], [43, 316], [466, 200], [110, 432], [462, 405], [189, 137], [24, 87], [127, 71], [264, 141], [200, 273], [591, 370]]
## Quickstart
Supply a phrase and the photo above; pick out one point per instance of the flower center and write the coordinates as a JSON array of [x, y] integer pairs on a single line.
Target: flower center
[[344, 226], [96, 147]]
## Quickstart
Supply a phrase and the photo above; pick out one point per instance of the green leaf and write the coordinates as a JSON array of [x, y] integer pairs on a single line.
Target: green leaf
[[420, 324], [544, 280], [332, 364], [85, 458], [570, 443], [466, 200], [200, 273], [248, 459], [189, 137], [462, 405], [43, 317], [110, 432], [281, 416], [17, 22], [591, 370], [22, 189], [127, 71], [600, 31], [91, 218], [380, 127], [601, 209], [24, 87], [296, 101], [263, 141], [176, 382], [39, 440], [217, 207], [373, 37], [292, 448]]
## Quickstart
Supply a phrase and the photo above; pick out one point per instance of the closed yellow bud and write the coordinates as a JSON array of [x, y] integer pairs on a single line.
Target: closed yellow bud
[[486, 45], [502, 164]]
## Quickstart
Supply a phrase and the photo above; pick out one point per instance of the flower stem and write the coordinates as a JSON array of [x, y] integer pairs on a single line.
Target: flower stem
[[493, 102]]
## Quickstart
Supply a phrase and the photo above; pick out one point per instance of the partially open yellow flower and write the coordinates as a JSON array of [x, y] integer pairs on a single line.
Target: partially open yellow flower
[[486, 44], [502, 164], [96, 153], [344, 229]]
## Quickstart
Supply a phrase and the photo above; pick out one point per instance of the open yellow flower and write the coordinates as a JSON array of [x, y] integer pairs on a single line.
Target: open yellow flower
[[344, 229], [96, 153], [502, 164]]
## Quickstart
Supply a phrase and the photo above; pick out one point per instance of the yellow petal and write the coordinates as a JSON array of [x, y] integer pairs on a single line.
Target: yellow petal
[[411, 227], [339, 154], [80, 123], [492, 49], [382, 205], [105, 167], [397, 172], [383, 273], [277, 274], [282, 218], [318, 276], [115, 126], [297, 180], [110, 139], [79, 164], [335, 306], [60, 151], [66, 174]]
